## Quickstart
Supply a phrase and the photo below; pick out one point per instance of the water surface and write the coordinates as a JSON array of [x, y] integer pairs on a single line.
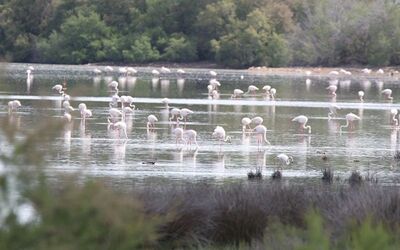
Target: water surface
[[93, 150]]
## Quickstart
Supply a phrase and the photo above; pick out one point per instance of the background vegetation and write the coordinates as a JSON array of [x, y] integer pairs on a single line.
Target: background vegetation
[[233, 33]]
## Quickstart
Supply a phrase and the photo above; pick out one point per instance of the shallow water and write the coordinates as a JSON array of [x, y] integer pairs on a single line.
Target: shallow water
[[93, 150]]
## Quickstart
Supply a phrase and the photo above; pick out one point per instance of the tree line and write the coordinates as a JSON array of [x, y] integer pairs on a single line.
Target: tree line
[[232, 33]]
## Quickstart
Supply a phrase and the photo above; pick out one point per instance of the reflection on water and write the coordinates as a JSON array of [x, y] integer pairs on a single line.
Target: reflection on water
[[92, 148]]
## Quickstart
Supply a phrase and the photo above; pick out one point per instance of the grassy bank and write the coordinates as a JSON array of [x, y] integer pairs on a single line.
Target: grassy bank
[[90, 215]]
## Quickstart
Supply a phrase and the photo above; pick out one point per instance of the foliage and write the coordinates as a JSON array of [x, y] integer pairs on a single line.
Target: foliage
[[234, 33]]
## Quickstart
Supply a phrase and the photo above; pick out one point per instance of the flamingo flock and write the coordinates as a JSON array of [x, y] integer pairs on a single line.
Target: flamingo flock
[[121, 106]]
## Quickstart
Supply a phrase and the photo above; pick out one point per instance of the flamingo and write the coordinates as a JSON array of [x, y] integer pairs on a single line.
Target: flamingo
[[366, 71], [387, 93], [191, 136], [165, 101], [245, 123], [67, 111], [219, 133], [155, 72], [213, 73], [175, 113], [122, 70], [178, 132], [109, 68], [120, 125], [114, 114], [393, 119], [131, 70], [28, 73], [114, 100], [284, 159], [113, 85], [13, 106], [210, 89], [127, 101], [151, 120], [333, 110], [251, 90], [257, 120], [302, 120], [333, 72], [272, 93], [261, 132], [237, 93], [215, 84], [361, 95], [215, 94], [59, 88], [165, 70], [267, 88], [97, 71], [332, 89], [85, 113], [350, 119], [184, 113]]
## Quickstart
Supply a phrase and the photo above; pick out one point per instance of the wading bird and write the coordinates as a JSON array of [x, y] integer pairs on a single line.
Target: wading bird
[[219, 133], [245, 124], [261, 132], [361, 95], [350, 119], [237, 93], [13, 106], [387, 93], [393, 119], [302, 120], [151, 120], [332, 89], [251, 90], [284, 160]]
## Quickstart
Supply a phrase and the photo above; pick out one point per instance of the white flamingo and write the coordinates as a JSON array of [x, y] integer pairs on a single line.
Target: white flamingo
[[237, 93], [13, 106], [350, 119], [284, 159], [59, 88], [220, 134], [151, 120], [175, 113], [191, 137], [393, 114], [387, 93], [119, 126], [332, 89], [261, 132], [302, 120], [245, 124], [361, 95], [267, 88], [251, 90], [257, 120], [213, 73], [272, 93], [184, 114]]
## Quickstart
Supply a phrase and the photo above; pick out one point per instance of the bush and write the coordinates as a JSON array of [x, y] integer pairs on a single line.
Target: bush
[[180, 49]]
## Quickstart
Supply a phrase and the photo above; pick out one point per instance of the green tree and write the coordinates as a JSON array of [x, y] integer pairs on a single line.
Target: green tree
[[141, 51], [82, 38], [180, 49]]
